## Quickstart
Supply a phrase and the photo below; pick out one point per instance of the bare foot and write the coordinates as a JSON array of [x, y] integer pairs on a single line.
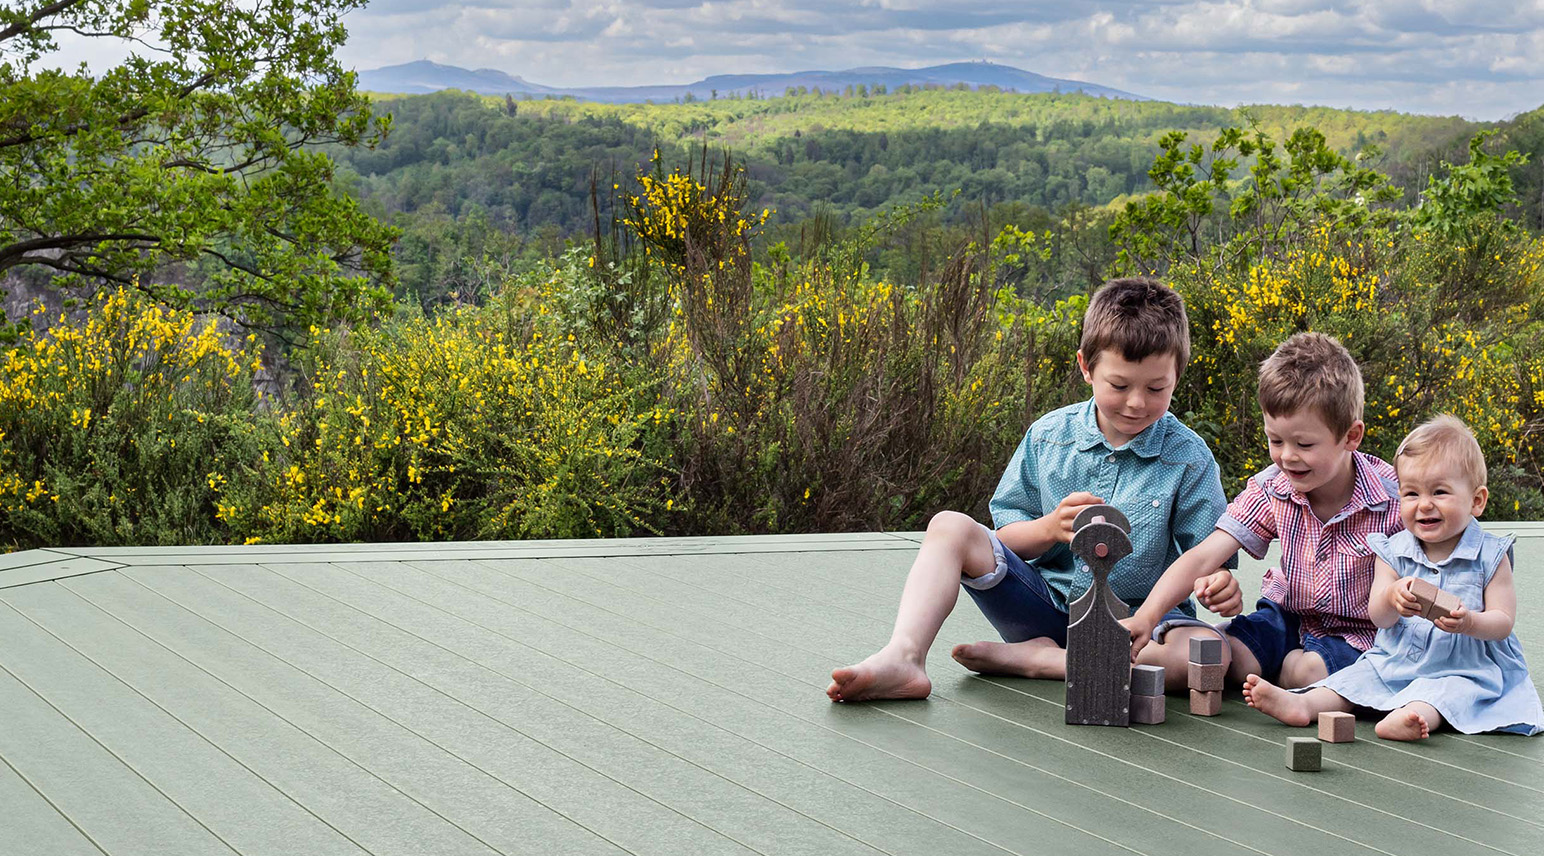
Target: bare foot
[[1266, 697], [885, 674], [1403, 724], [1036, 658]]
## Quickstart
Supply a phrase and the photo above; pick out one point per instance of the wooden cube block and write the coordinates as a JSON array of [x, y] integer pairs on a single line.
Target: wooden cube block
[[1148, 709], [1435, 603], [1207, 678], [1337, 727], [1147, 680], [1206, 650], [1205, 703], [1304, 754]]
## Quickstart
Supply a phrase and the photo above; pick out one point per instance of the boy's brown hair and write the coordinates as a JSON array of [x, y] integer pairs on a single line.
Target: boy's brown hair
[[1315, 371], [1447, 437], [1137, 316]]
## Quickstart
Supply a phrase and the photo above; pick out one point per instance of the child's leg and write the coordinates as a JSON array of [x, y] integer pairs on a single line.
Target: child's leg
[[954, 544], [1302, 667], [1292, 708], [1414, 721]]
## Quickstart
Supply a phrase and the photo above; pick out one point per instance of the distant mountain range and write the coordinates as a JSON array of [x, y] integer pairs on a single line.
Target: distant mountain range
[[424, 76]]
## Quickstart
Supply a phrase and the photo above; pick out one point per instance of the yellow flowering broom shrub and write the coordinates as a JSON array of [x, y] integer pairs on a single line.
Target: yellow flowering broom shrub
[[124, 428], [1433, 329], [469, 425]]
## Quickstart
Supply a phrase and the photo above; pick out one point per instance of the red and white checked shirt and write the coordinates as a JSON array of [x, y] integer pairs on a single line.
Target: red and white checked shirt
[[1325, 576]]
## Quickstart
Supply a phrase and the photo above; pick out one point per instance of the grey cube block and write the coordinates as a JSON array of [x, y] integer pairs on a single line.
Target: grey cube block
[[1207, 679], [1148, 709], [1147, 680], [1205, 650], [1304, 754]]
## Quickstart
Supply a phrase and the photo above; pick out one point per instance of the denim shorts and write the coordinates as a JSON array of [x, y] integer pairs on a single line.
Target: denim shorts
[[1270, 633], [1018, 603]]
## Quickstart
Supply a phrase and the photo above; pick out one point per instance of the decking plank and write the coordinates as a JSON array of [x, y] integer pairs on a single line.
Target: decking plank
[[33, 825], [629, 735], [697, 739], [99, 794], [511, 731], [225, 797], [350, 797], [63, 568]]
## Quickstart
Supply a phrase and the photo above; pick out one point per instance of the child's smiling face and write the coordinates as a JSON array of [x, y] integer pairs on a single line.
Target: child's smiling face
[[1130, 396], [1307, 450], [1436, 502]]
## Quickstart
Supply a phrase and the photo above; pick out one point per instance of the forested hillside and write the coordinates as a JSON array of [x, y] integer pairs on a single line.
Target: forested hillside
[[527, 163]]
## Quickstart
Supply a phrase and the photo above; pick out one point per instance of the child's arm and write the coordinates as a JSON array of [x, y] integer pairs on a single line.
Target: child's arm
[[1496, 619], [1390, 598], [1031, 538], [1178, 582]]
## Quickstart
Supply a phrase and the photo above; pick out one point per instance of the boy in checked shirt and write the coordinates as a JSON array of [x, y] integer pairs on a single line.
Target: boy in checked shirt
[[1321, 498]]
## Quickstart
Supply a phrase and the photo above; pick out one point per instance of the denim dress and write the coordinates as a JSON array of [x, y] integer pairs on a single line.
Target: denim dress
[[1477, 685]]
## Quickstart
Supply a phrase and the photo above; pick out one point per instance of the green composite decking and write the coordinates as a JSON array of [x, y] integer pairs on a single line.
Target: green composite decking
[[646, 696]]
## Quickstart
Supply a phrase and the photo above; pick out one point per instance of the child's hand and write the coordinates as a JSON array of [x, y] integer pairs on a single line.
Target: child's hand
[[1459, 620], [1141, 633], [1219, 593], [1402, 600], [1066, 511]]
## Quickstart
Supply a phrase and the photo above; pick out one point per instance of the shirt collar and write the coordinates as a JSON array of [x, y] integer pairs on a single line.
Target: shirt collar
[[1147, 444], [1367, 490], [1467, 549]]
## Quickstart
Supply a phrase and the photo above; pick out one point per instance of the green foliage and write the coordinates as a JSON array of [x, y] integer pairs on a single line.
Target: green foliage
[[1198, 203], [1477, 189], [194, 149]]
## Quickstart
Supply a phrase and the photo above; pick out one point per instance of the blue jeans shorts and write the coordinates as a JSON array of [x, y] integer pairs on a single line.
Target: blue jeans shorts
[[1270, 633], [1018, 603]]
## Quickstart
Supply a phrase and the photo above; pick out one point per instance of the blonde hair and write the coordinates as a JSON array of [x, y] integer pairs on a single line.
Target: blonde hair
[[1137, 316], [1314, 371], [1450, 440]]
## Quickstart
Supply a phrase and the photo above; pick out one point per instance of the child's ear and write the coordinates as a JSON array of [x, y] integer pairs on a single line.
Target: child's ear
[[1481, 497], [1354, 435], [1083, 367]]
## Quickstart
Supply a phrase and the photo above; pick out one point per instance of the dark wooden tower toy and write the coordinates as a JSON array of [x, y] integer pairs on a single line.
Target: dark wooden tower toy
[[1098, 645]]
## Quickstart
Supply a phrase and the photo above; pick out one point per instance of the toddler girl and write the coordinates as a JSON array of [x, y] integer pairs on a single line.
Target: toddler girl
[[1465, 668]]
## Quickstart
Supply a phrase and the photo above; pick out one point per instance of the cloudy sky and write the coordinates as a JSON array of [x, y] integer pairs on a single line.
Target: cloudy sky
[[1479, 58]]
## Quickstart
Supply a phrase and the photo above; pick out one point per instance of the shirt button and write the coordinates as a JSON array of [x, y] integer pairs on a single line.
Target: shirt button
[[1110, 459], [1155, 503]]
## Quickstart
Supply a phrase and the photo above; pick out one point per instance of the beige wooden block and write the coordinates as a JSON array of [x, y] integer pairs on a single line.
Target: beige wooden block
[[1337, 727], [1205, 703], [1207, 677], [1435, 603]]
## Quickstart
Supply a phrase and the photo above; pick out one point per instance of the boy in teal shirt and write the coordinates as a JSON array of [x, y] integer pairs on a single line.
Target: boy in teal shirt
[[1122, 447]]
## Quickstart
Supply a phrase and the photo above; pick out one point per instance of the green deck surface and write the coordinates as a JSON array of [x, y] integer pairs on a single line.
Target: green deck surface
[[644, 696]]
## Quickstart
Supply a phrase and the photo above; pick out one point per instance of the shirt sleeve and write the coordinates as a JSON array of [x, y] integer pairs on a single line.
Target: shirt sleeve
[[1018, 492], [1199, 505], [1249, 519]]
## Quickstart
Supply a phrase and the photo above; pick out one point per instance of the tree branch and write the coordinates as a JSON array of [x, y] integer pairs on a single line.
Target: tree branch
[[25, 24], [16, 254]]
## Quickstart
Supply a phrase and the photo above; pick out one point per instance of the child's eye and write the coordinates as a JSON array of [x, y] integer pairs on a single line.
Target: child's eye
[[1305, 445], [1117, 386], [1157, 389]]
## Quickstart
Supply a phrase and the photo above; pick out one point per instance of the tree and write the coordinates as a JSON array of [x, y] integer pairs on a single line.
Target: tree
[[199, 148]]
